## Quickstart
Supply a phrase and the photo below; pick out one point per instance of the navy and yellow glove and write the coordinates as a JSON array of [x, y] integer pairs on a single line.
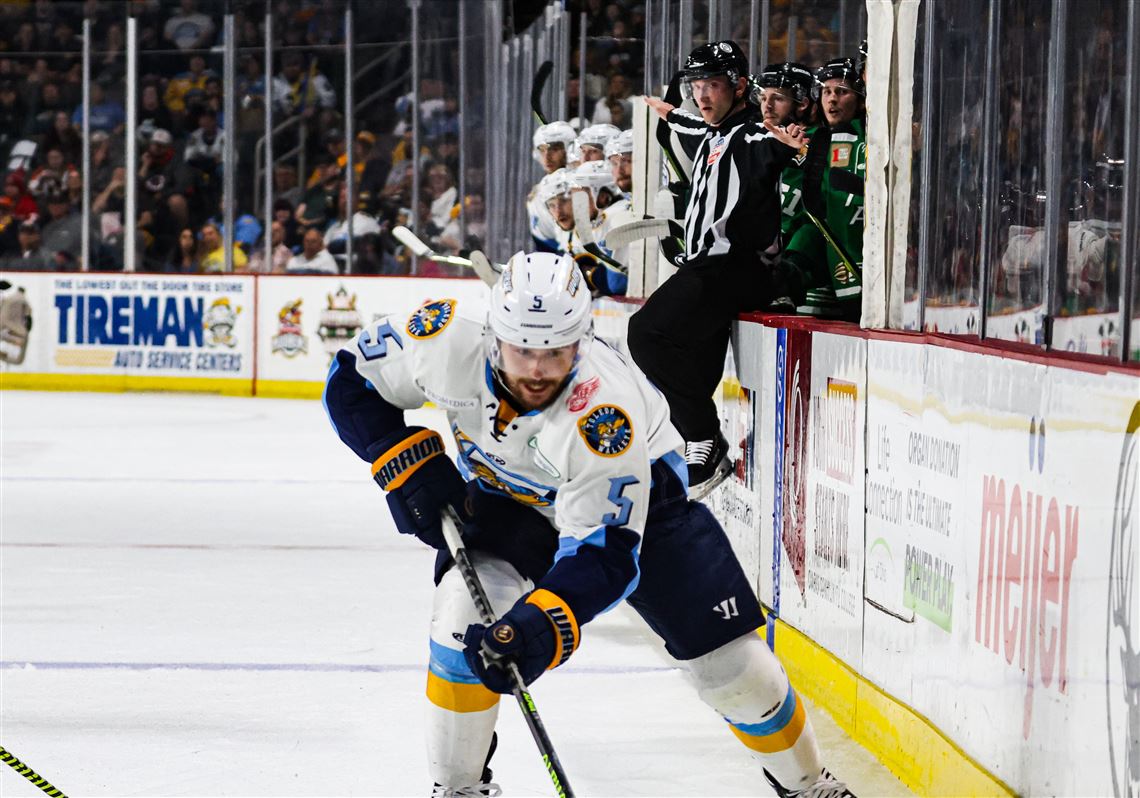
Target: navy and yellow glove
[[537, 634], [420, 479]]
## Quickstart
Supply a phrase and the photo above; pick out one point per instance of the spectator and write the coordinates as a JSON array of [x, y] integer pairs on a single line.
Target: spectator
[[9, 241], [106, 115], [189, 29], [300, 91], [158, 224], [103, 162], [336, 236], [152, 114], [283, 213], [185, 82], [183, 258], [13, 116], [203, 158], [474, 217], [159, 157], [48, 103], [313, 258], [441, 188], [23, 204], [318, 202], [447, 152], [281, 253], [32, 256], [53, 176], [63, 228], [62, 134], [618, 91], [109, 204], [285, 183], [213, 259], [334, 146]]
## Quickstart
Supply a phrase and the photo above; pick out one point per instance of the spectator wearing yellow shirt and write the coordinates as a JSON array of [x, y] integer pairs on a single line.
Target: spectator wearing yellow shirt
[[184, 82], [214, 256]]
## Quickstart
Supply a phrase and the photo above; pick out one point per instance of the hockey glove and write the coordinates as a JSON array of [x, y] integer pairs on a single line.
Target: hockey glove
[[537, 634], [419, 479]]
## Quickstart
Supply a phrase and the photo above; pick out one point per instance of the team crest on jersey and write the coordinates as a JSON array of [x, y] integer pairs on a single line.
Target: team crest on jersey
[[430, 320], [582, 394], [607, 430], [219, 323]]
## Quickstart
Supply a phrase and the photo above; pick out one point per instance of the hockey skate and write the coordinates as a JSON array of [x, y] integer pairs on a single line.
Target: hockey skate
[[709, 465], [826, 786], [485, 787]]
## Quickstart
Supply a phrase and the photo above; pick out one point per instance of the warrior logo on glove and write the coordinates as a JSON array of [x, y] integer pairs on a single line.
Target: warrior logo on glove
[[504, 634]]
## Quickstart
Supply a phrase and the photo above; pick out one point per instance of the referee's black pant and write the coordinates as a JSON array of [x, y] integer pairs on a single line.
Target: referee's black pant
[[679, 337]]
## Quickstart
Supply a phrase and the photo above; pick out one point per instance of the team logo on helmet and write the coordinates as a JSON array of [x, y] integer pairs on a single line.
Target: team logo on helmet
[[607, 430], [430, 320]]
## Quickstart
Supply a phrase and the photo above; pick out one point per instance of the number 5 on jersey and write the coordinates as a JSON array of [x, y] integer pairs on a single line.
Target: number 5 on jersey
[[624, 503], [372, 350]]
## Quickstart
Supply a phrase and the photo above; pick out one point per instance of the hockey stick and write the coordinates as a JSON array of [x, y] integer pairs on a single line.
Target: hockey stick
[[488, 272], [679, 189], [30, 775], [487, 615], [585, 229], [651, 227], [813, 202], [536, 89], [422, 250]]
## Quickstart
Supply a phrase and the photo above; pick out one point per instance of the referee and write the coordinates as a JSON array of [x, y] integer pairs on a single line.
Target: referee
[[679, 337]]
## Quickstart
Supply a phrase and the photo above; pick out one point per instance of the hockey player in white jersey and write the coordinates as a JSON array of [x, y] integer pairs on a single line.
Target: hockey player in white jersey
[[593, 140], [551, 148], [571, 485], [557, 191], [619, 155]]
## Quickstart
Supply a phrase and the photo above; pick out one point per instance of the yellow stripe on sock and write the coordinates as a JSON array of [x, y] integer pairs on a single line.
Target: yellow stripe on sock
[[778, 741], [459, 697]]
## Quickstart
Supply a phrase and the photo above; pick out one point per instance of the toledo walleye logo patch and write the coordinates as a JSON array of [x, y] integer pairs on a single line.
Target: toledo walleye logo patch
[[607, 430], [430, 319]]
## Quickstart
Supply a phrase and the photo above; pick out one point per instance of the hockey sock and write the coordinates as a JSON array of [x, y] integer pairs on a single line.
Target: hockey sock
[[746, 684]]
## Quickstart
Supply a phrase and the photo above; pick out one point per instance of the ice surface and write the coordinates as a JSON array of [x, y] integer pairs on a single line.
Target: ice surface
[[204, 595]]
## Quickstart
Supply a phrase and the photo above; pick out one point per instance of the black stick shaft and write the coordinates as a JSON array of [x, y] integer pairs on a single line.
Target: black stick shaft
[[29, 774], [522, 695]]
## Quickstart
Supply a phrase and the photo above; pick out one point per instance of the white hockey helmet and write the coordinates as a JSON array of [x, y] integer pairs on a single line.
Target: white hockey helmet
[[573, 154], [595, 176], [597, 136], [552, 133], [541, 301], [556, 184], [620, 144]]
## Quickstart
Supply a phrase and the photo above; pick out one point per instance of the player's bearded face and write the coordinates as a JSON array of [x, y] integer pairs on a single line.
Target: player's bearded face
[[535, 376], [776, 106]]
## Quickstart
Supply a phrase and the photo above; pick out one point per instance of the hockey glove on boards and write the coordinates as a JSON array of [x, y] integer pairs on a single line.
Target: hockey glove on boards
[[537, 634], [419, 479]]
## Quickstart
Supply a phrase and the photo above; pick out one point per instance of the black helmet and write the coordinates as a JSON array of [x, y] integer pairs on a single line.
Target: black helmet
[[791, 75], [845, 69], [717, 58]]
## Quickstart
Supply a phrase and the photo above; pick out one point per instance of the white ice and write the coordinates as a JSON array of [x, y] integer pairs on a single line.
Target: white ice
[[203, 595]]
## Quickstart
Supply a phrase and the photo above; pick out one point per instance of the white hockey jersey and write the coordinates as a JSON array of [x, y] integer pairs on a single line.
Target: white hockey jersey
[[583, 462], [543, 228]]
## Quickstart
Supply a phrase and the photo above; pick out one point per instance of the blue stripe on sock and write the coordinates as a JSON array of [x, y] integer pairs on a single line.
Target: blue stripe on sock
[[449, 665], [776, 722]]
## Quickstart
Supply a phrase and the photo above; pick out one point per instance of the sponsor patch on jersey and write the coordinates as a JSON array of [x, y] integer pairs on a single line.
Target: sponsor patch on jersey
[[431, 319], [607, 430], [716, 150], [840, 154], [582, 394]]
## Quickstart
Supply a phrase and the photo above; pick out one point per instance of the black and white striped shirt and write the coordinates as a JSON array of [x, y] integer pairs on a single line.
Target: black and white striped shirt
[[734, 203]]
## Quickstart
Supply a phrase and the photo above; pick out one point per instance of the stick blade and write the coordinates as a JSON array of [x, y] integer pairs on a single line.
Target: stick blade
[[483, 267], [411, 241]]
